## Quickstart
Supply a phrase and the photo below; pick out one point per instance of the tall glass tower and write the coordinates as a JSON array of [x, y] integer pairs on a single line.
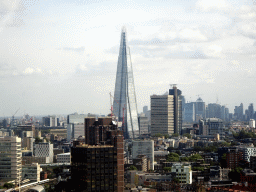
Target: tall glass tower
[[125, 105]]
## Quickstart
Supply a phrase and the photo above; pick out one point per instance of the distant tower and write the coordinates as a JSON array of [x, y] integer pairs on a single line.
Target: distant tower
[[166, 112], [124, 104]]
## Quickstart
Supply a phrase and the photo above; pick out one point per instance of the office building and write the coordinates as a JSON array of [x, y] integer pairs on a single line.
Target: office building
[[143, 124], [250, 112], [211, 126], [214, 110], [144, 147], [166, 112], [190, 113], [50, 121], [97, 164], [27, 143], [145, 109], [252, 123], [63, 158], [183, 173], [31, 172], [10, 158], [76, 118], [44, 150], [75, 130], [124, 104], [239, 112], [199, 109], [247, 152]]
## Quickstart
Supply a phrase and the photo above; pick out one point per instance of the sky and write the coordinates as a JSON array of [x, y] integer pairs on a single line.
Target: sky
[[60, 56]]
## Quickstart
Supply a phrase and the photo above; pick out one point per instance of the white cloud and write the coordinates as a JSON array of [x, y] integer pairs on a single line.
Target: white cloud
[[216, 5], [82, 67], [191, 34], [248, 29], [31, 70]]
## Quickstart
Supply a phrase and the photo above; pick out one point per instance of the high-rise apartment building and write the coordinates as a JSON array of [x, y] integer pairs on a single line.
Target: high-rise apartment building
[[10, 158], [166, 112], [124, 104], [98, 163]]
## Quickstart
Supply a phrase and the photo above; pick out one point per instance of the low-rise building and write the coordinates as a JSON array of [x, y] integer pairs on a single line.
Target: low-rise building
[[63, 158], [183, 173]]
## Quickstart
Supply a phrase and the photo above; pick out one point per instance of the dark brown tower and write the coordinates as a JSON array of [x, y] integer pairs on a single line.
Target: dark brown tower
[[98, 163]]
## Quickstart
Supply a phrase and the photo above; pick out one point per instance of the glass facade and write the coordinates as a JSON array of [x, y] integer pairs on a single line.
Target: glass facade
[[125, 105]]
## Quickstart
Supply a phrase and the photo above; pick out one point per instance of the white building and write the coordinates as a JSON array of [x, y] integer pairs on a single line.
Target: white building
[[248, 151], [31, 172], [183, 173], [10, 158], [64, 158], [44, 150], [252, 123], [144, 147]]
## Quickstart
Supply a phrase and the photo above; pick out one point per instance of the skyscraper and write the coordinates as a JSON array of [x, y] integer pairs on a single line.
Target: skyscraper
[[97, 164], [166, 112], [124, 104]]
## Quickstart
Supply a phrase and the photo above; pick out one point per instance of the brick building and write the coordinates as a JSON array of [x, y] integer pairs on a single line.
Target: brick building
[[233, 156], [97, 164]]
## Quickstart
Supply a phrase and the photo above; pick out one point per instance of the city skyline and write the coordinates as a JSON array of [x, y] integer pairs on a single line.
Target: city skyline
[[60, 57]]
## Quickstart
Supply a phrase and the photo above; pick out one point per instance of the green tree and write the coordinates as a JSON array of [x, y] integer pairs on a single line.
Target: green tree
[[175, 134], [167, 169], [8, 185], [132, 167], [158, 135], [173, 157], [166, 136], [184, 159], [187, 135], [38, 140], [195, 157], [200, 168]]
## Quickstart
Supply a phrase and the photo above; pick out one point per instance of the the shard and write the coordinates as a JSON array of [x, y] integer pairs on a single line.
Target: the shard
[[124, 104]]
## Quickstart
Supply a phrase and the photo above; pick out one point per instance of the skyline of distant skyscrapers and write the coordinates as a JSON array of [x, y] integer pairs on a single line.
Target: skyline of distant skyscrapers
[[124, 104]]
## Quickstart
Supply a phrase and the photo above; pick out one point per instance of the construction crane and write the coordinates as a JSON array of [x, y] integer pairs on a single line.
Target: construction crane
[[12, 123]]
